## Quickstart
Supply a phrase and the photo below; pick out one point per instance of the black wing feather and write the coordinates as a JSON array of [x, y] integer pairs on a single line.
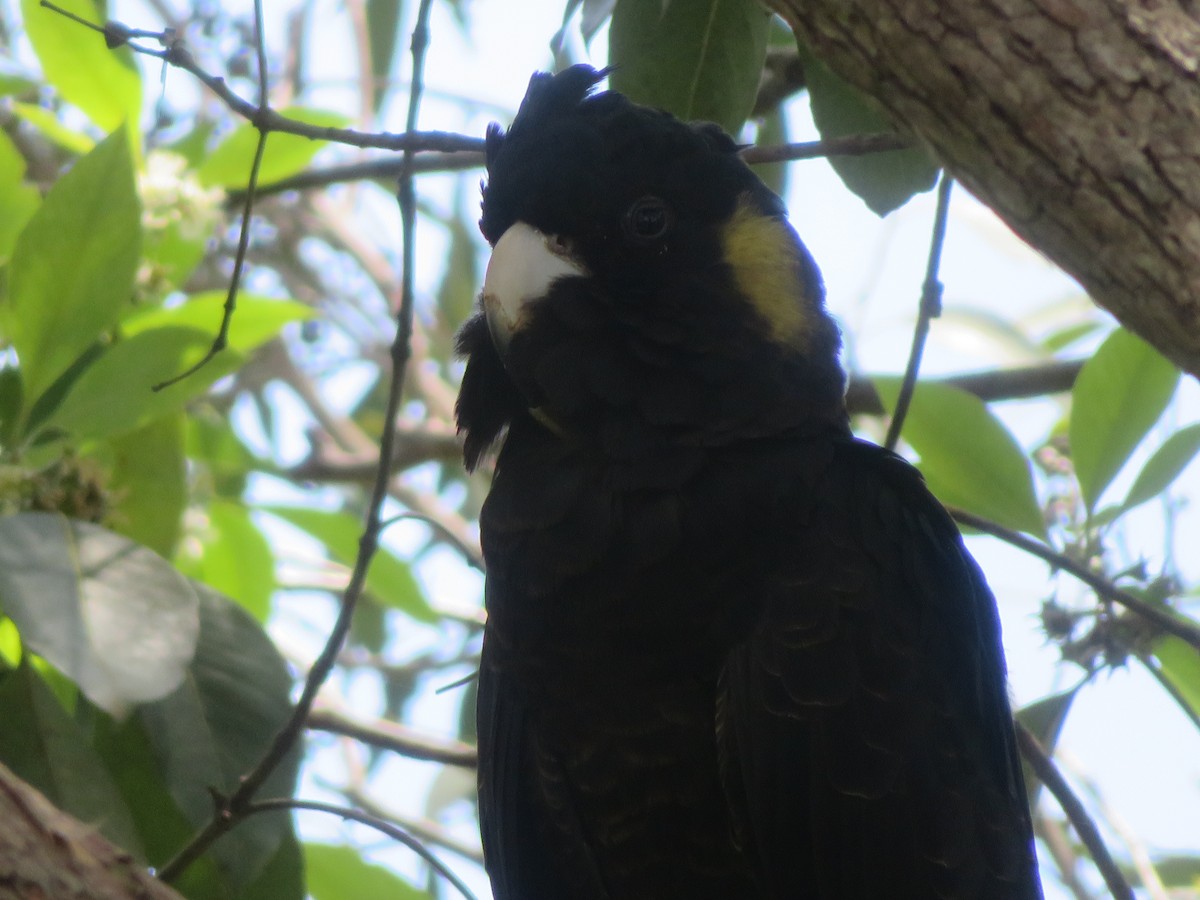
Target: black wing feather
[[866, 729]]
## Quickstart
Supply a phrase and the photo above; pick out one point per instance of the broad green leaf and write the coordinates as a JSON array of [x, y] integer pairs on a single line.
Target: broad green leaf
[[389, 580], [1045, 718], [149, 483], [338, 872], [700, 59], [256, 319], [114, 395], [111, 615], [91, 218], [1119, 394], [282, 878], [44, 746], [130, 761], [10, 405], [18, 200], [1164, 466], [215, 727], [884, 181], [232, 556], [103, 83], [967, 455], [228, 166], [1179, 664]]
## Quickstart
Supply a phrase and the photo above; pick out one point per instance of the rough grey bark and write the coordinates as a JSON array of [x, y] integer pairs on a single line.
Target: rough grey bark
[[46, 853], [1077, 121]]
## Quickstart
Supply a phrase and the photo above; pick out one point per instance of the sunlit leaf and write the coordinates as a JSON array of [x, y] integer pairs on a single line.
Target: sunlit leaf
[[389, 580], [233, 557], [44, 746], [103, 83], [884, 181], [148, 483], [1164, 466], [256, 319], [18, 200], [115, 394], [338, 872], [968, 457], [699, 60], [91, 218], [1179, 664], [229, 164], [114, 617], [1119, 394]]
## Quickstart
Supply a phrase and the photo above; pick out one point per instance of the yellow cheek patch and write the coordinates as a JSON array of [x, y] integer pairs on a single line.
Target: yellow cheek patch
[[769, 269]]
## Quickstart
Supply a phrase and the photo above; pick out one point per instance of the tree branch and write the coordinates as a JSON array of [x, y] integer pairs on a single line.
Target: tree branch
[[396, 738]]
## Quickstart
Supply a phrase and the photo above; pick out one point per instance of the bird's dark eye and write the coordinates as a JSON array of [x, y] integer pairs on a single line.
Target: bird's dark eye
[[648, 220]]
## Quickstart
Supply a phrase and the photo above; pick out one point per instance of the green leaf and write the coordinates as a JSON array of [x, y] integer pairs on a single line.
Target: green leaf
[[114, 396], [234, 558], [383, 25], [968, 457], [884, 181], [338, 872], [1179, 664], [112, 616], [229, 164], [282, 878], [700, 59], [215, 727], [43, 745], [389, 580], [1119, 394], [18, 200], [45, 121], [126, 754], [103, 83], [1164, 466], [91, 218], [256, 319], [1045, 719], [149, 483]]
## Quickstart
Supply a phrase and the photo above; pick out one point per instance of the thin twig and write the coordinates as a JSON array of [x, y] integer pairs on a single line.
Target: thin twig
[[930, 308], [998, 384], [396, 738], [1049, 775], [275, 804], [424, 829], [234, 807], [1159, 615]]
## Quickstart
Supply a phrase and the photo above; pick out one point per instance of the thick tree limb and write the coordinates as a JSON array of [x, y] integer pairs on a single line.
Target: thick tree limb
[[46, 853], [1077, 121]]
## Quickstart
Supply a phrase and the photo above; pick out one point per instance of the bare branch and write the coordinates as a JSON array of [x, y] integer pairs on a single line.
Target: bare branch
[[394, 737], [1049, 775]]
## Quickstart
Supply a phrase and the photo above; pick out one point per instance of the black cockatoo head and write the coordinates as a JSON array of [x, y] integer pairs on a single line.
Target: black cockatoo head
[[642, 279]]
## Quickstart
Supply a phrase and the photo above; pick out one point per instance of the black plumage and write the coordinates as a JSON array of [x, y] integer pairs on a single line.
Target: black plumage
[[731, 652]]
